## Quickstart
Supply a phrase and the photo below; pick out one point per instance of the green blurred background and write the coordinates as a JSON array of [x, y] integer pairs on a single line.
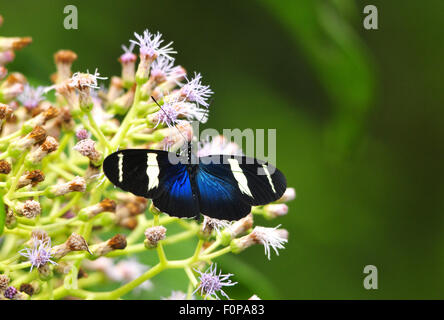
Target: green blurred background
[[359, 117]]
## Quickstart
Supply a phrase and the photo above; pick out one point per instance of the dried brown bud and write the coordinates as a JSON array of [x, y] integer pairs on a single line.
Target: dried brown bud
[[65, 56], [27, 288], [50, 145], [5, 167], [108, 205], [75, 242], [115, 243], [21, 43], [38, 134], [31, 178], [5, 111]]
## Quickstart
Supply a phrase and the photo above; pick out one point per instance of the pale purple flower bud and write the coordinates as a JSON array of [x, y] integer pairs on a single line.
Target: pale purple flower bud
[[29, 209], [87, 148], [128, 60], [39, 253], [174, 109], [82, 134], [150, 45], [153, 235], [31, 97], [163, 68], [211, 282], [10, 293], [194, 91], [149, 49]]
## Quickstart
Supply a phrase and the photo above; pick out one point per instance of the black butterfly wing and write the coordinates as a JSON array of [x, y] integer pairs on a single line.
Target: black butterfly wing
[[257, 182], [153, 174], [175, 196], [219, 197]]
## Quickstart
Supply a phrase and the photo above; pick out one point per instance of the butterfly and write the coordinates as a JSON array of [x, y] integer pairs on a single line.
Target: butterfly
[[219, 186]]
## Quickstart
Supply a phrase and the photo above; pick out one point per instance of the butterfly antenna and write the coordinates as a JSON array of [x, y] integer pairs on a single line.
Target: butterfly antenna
[[169, 118]]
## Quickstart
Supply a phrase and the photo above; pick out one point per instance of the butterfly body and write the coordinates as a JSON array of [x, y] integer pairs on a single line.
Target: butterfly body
[[219, 186]]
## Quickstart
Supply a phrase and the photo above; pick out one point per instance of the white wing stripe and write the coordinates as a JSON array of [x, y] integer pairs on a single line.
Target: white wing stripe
[[152, 171], [269, 177], [120, 164], [240, 177]]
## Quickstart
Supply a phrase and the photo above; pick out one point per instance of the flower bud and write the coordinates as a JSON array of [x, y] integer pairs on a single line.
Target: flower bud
[[115, 89], [4, 282], [237, 228], [87, 148], [289, 195], [78, 184], [5, 111], [45, 272], [36, 136], [153, 235], [121, 104], [91, 211], [10, 219], [275, 210], [6, 57], [35, 156], [29, 209], [14, 43], [30, 288], [40, 119], [128, 61], [117, 242], [3, 72], [5, 167], [31, 178], [75, 242], [63, 60]]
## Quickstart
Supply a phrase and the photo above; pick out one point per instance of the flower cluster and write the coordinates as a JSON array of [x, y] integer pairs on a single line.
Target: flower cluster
[[63, 222]]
